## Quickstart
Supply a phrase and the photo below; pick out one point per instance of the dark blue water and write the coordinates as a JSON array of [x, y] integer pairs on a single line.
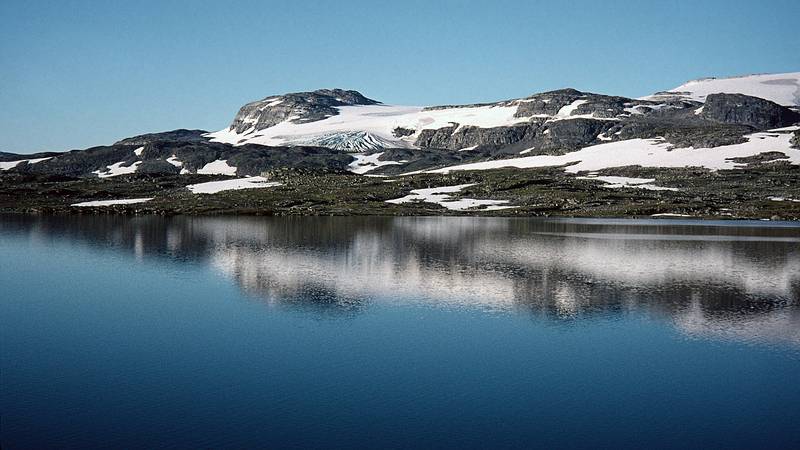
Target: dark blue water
[[380, 332]]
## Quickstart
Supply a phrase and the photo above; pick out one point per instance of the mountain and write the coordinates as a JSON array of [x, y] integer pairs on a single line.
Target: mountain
[[450, 127], [745, 125], [358, 123], [313, 129]]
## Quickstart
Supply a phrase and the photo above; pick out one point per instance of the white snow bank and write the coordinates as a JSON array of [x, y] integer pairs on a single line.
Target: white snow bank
[[781, 88], [364, 163], [786, 129], [117, 169], [645, 153], [138, 151], [629, 182], [218, 167], [376, 120], [212, 187], [128, 201], [441, 196], [567, 110], [174, 161], [783, 199], [7, 165]]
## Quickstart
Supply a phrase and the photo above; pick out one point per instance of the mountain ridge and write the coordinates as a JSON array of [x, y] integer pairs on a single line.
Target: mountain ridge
[[688, 153], [383, 121], [318, 129]]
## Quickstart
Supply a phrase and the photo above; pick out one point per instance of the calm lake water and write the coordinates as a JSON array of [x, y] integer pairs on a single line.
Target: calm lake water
[[398, 332]]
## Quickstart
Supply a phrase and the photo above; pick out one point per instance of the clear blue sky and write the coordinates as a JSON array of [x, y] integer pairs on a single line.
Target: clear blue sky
[[79, 73]]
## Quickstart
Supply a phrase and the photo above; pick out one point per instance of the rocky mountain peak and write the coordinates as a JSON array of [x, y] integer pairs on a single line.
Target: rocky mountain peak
[[341, 97], [296, 107]]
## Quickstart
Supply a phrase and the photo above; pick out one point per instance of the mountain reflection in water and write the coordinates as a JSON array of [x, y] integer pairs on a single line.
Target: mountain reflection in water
[[724, 280]]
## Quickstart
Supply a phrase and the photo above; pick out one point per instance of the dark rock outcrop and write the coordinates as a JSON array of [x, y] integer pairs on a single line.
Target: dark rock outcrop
[[157, 167], [564, 135], [682, 133], [402, 132], [547, 103], [456, 138], [553, 137], [181, 135], [4, 156], [746, 110]]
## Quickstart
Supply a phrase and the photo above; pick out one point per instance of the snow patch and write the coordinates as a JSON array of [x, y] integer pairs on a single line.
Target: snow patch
[[441, 196], [365, 163], [615, 182], [138, 151], [117, 169], [174, 161], [218, 167], [781, 88], [645, 153], [212, 187], [7, 165], [567, 110], [783, 199], [128, 201], [786, 129], [603, 137]]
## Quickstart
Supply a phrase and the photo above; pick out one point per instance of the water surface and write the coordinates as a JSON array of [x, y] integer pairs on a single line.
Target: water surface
[[398, 332]]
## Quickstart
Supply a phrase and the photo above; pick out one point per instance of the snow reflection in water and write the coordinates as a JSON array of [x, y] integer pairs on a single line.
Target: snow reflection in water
[[725, 280]]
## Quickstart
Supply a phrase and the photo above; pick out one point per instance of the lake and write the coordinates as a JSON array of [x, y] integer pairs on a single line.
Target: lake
[[242, 332]]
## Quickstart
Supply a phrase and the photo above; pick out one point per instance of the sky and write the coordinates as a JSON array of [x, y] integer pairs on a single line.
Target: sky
[[76, 74]]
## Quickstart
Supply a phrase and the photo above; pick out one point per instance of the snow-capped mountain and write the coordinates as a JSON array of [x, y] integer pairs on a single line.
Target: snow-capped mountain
[[347, 120], [318, 129], [711, 148], [358, 127]]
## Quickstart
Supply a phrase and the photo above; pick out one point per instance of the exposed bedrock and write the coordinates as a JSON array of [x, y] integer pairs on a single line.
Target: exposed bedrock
[[455, 137], [746, 110], [181, 135], [543, 137]]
